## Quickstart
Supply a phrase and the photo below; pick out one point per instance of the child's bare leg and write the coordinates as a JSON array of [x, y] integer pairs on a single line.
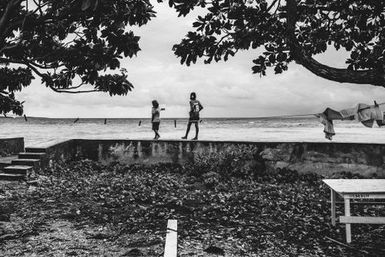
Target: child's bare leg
[[187, 130], [157, 134], [196, 131]]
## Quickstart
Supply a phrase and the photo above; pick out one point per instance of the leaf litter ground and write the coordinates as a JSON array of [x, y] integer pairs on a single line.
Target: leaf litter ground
[[85, 208]]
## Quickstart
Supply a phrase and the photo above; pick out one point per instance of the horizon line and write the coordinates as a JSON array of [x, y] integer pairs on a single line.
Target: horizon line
[[164, 118]]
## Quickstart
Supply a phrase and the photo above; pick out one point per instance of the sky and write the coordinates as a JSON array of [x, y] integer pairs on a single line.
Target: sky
[[225, 89]]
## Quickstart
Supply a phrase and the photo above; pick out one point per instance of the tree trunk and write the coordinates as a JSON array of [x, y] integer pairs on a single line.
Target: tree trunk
[[373, 77]]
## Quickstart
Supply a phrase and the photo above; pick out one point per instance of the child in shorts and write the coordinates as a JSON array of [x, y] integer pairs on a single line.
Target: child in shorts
[[195, 108], [155, 118]]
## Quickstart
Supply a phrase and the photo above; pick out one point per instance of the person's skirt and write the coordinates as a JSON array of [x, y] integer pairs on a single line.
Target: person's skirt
[[194, 117], [155, 125]]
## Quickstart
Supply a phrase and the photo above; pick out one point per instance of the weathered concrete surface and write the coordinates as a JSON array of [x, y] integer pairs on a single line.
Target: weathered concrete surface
[[328, 158], [63, 151], [322, 158], [137, 151], [11, 146]]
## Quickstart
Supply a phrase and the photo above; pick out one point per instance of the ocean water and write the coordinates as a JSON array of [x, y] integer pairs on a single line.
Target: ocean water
[[45, 131]]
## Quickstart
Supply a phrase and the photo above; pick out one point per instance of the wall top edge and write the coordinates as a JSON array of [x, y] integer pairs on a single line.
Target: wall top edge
[[11, 138], [226, 142], [193, 141]]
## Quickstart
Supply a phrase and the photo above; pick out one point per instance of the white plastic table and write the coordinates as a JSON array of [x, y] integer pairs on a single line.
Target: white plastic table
[[350, 189]]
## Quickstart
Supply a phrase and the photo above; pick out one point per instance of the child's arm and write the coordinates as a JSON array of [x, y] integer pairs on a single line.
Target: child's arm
[[200, 106], [152, 115]]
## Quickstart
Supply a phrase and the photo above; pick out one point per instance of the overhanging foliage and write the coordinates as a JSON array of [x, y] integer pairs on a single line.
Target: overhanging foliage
[[292, 30], [73, 46]]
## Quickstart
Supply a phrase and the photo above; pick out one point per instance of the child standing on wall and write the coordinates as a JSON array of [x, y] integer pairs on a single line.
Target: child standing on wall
[[155, 118], [195, 108]]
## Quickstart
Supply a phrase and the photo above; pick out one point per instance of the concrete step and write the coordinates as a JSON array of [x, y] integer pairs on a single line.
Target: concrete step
[[30, 162], [26, 155], [35, 149], [17, 169], [8, 176], [6, 161]]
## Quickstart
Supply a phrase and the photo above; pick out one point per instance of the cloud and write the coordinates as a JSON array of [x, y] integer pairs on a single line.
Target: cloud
[[225, 89]]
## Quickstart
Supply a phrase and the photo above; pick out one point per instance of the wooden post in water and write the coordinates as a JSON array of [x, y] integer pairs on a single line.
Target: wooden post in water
[[171, 246]]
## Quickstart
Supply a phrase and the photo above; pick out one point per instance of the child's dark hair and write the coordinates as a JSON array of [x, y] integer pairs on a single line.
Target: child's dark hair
[[155, 104], [193, 96]]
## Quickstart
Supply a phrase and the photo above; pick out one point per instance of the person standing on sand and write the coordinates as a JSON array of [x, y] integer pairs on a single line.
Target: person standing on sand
[[195, 108], [155, 118]]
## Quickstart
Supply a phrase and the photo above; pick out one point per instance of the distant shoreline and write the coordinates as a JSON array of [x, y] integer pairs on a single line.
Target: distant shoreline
[[168, 118]]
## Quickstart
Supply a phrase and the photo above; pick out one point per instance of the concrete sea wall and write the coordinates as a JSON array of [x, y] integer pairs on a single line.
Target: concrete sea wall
[[322, 158], [11, 146], [62, 151]]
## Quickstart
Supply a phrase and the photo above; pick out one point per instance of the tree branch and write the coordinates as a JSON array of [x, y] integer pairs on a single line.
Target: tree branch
[[34, 69], [44, 66], [222, 38], [50, 86], [75, 87], [272, 5], [55, 89], [6, 16], [9, 47], [14, 24], [73, 92], [39, 7], [374, 77]]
